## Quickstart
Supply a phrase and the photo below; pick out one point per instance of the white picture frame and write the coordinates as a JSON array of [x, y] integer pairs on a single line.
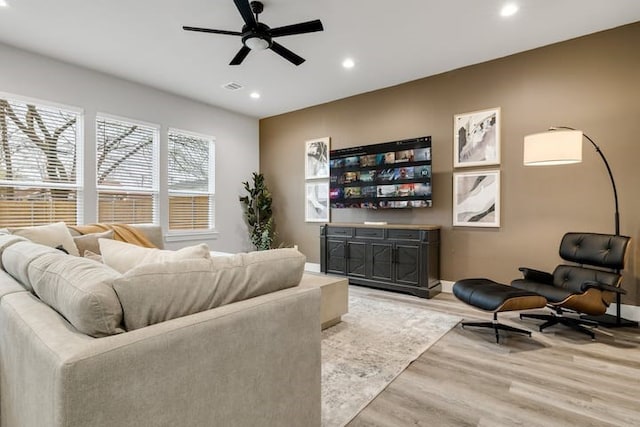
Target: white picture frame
[[316, 200], [316, 158], [476, 199], [476, 138]]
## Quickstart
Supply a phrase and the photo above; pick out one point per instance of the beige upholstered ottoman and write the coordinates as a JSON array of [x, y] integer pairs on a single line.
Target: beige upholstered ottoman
[[334, 296]]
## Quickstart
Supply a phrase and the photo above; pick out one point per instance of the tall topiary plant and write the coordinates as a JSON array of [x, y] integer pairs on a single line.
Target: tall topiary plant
[[258, 214]]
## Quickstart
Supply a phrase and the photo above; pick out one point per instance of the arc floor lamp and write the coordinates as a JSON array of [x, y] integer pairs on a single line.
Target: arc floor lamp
[[562, 145]]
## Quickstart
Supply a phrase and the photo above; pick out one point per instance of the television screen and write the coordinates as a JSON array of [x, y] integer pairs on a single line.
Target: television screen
[[382, 176]]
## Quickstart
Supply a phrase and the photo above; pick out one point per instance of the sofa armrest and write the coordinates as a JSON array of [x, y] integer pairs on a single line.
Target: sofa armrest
[[254, 362]]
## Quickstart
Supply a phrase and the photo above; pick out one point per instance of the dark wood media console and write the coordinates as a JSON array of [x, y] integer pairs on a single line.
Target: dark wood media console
[[404, 258]]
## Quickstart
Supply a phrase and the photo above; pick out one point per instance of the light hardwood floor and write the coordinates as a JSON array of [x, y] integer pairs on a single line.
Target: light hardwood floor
[[555, 378]]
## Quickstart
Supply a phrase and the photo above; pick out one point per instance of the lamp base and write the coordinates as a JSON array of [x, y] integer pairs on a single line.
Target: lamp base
[[609, 321]]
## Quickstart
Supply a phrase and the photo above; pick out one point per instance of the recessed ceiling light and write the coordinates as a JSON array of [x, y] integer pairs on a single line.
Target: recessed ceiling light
[[4, 3], [255, 95], [348, 63], [509, 9]]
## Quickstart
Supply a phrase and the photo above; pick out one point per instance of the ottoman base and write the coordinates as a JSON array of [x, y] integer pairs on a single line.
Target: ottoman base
[[497, 326], [488, 295]]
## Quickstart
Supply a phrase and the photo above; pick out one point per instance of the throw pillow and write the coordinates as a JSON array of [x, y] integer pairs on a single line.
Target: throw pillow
[[155, 293], [80, 290], [89, 242], [124, 256], [50, 235]]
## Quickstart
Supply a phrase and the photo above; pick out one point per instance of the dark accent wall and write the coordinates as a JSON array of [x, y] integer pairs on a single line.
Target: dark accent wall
[[590, 83]]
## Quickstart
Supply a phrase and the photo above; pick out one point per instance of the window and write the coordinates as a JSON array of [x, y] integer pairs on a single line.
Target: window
[[191, 181], [126, 171], [40, 164]]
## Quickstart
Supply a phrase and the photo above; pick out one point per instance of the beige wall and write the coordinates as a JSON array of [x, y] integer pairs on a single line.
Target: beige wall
[[591, 83]]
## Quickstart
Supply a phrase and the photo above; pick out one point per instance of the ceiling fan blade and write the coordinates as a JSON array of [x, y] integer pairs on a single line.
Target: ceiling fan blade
[[286, 53], [301, 28], [247, 14], [209, 30], [242, 53]]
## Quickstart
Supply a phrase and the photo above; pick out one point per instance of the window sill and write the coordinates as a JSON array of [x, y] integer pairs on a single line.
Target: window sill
[[183, 236]]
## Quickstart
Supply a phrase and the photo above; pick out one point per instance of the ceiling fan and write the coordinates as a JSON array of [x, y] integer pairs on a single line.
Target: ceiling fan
[[259, 36]]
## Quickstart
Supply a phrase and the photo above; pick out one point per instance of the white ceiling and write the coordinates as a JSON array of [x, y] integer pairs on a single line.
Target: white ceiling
[[391, 42]]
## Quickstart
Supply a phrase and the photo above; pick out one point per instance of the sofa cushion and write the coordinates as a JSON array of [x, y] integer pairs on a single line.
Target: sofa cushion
[[80, 290], [124, 256], [89, 242], [7, 240], [17, 258], [52, 235], [154, 293]]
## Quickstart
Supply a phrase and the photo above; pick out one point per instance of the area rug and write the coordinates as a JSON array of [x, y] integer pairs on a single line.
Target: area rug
[[373, 344]]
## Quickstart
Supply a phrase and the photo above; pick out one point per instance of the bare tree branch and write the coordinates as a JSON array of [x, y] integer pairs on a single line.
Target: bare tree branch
[[49, 145], [4, 139], [58, 132], [31, 109], [108, 146], [28, 131], [134, 150]]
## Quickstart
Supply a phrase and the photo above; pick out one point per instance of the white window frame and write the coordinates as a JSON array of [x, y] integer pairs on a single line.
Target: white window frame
[[80, 160], [203, 234], [155, 164]]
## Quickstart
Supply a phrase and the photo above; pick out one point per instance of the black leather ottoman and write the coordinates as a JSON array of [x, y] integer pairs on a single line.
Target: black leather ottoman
[[488, 295]]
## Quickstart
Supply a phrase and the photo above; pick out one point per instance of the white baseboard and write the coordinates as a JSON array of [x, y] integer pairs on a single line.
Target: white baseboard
[[630, 312], [447, 286], [312, 267]]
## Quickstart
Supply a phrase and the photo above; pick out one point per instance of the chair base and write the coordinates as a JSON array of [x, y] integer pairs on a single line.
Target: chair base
[[576, 324], [497, 326]]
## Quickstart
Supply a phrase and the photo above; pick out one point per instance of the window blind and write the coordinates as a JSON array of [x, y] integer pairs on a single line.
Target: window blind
[[126, 171], [40, 164], [191, 181]]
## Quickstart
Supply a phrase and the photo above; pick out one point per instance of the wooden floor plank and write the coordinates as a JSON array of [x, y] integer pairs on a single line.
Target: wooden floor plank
[[555, 378]]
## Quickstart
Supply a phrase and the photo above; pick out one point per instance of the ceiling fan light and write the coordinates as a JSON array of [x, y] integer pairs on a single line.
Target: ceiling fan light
[[256, 43]]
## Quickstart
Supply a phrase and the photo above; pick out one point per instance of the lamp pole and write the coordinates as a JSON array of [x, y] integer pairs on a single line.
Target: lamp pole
[[606, 319], [606, 163]]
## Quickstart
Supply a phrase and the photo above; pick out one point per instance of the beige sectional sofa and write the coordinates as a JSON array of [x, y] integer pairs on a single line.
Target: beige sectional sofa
[[254, 362]]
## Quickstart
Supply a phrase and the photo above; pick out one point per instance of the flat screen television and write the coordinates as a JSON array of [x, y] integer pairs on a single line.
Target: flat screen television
[[391, 175]]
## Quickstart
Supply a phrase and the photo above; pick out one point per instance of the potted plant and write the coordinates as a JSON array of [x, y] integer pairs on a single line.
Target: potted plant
[[258, 214]]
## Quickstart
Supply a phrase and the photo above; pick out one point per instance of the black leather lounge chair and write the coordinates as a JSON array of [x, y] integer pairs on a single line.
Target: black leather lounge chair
[[588, 286]]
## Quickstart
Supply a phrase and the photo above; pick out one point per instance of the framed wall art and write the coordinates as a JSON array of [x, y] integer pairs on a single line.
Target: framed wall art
[[476, 138], [476, 198], [316, 201], [317, 158]]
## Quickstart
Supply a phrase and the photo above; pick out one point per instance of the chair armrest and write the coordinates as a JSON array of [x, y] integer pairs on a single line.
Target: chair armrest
[[592, 284], [536, 275]]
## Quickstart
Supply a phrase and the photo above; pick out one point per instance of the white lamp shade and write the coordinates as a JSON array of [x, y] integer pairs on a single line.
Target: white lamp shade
[[555, 147]]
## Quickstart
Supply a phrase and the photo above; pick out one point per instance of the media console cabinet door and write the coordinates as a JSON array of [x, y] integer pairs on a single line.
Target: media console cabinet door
[[382, 261], [408, 264], [336, 256], [356, 258]]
